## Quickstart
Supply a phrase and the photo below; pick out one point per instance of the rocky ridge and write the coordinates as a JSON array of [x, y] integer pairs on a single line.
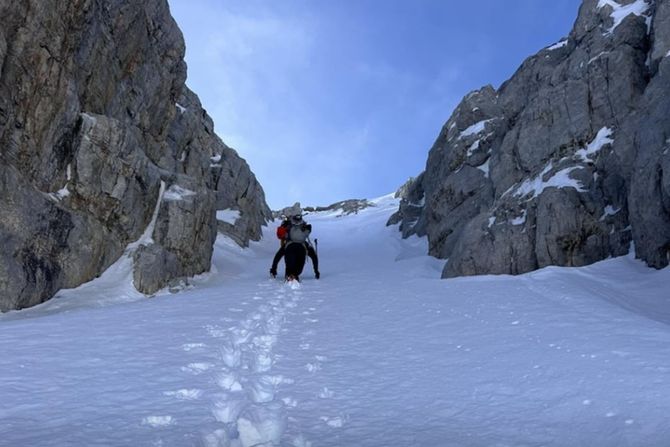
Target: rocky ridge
[[343, 207], [101, 142], [567, 163]]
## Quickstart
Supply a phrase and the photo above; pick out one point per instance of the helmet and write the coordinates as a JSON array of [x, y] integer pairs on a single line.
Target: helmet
[[296, 219]]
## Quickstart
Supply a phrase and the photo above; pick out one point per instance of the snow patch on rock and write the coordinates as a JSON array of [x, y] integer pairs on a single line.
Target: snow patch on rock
[[558, 45], [473, 147], [620, 12], [485, 167], [475, 129], [602, 139], [176, 192], [520, 220], [609, 211], [534, 187]]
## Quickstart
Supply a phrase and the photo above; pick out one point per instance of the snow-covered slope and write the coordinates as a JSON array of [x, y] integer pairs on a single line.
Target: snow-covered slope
[[379, 352]]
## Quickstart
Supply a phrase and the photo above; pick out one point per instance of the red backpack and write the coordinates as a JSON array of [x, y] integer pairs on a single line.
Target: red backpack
[[282, 230]]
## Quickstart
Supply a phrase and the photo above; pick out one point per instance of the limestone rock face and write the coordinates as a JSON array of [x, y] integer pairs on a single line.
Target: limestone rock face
[[566, 163], [99, 135]]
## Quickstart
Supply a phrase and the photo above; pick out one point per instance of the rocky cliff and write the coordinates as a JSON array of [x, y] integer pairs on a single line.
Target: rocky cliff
[[102, 142], [566, 163]]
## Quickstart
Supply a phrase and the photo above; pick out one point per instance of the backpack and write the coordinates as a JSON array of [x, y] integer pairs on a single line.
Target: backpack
[[299, 233], [283, 229]]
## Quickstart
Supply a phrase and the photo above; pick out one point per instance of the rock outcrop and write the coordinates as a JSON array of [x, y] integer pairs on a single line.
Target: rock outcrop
[[566, 163], [345, 207], [99, 137]]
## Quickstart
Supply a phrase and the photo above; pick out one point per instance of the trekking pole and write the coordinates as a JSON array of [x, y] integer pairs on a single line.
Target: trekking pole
[[316, 246]]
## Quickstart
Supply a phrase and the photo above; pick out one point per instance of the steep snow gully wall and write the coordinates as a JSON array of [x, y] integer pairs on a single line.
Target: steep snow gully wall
[[567, 163], [98, 134]]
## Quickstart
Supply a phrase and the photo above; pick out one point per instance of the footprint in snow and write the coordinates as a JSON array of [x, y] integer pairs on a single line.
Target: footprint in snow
[[293, 285], [228, 381], [261, 390], [263, 363], [265, 342], [218, 438], [262, 424], [231, 356], [227, 409]]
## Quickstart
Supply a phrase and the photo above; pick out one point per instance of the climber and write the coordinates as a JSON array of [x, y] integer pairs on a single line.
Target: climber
[[293, 234]]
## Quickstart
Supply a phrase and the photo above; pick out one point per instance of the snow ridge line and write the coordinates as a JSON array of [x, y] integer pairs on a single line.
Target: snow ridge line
[[247, 406]]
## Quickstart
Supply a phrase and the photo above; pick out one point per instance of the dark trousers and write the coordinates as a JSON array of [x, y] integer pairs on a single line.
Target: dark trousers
[[310, 252], [294, 257]]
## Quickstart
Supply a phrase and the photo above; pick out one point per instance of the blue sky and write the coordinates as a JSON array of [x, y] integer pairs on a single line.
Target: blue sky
[[329, 100]]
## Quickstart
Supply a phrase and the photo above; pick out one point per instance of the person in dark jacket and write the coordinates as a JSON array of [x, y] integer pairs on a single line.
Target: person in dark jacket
[[294, 233]]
